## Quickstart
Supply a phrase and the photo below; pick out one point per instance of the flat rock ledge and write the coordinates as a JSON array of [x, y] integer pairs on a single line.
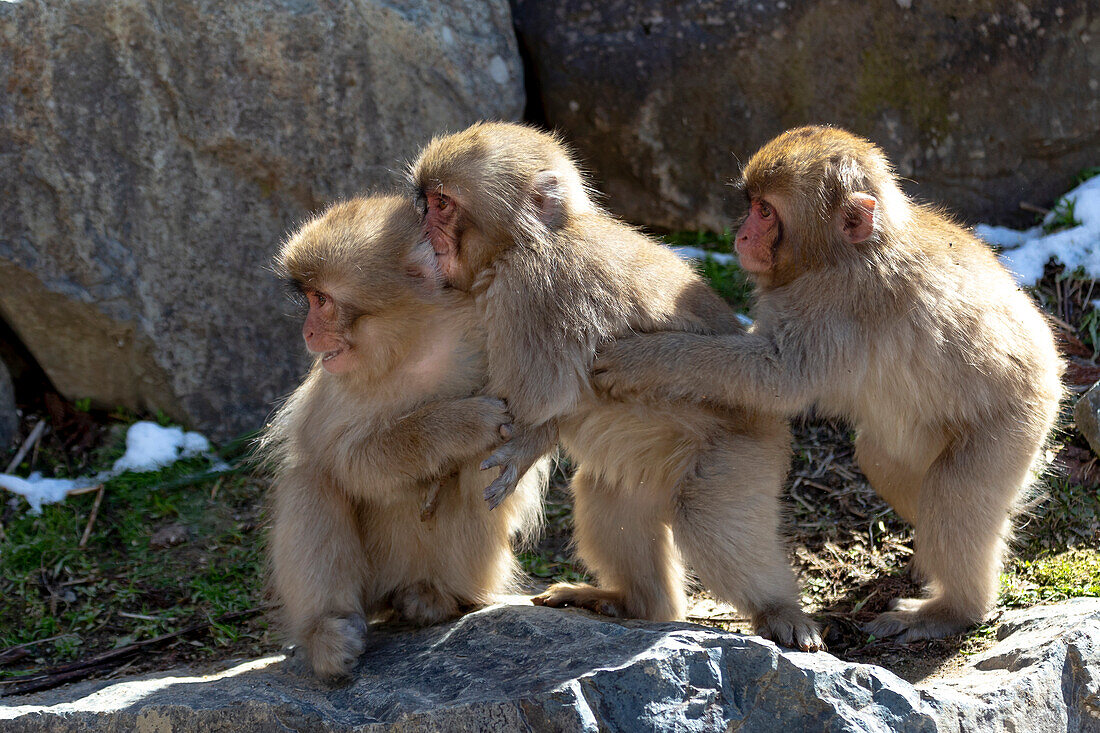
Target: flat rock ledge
[[516, 668]]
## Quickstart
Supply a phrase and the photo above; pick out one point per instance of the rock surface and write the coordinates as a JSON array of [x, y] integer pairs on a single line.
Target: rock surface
[[983, 104], [155, 154], [529, 668], [1086, 416], [9, 419]]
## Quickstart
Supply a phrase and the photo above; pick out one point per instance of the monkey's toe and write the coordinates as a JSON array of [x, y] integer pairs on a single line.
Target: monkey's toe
[[791, 628], [336, 646], [579, 595], [502, 487]]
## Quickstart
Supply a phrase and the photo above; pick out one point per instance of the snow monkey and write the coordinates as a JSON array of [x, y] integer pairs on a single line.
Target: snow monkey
[[886, 313], [390, 408], [510, 219]]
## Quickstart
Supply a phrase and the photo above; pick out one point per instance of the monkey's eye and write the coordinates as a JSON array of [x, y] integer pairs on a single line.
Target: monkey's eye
[[321, 298], [444, 202], [765, 210]]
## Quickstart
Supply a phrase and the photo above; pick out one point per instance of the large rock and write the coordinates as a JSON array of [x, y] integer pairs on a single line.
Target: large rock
[[529, 668], [983, 104], [155, 153], [1086, 415], [9, 418]]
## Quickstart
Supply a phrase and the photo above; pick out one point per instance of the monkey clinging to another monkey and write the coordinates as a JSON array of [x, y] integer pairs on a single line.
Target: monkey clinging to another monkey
[[510, 220], [389, 410], [884, 312]]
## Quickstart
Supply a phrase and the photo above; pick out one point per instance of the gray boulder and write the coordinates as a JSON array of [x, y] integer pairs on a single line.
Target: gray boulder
[[1086, 415], [530, 668], [983, 104], [155, 154], [9, 419]]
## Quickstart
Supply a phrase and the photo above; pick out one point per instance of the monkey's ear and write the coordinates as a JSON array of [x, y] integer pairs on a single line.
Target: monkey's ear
[[548, 198], [423, 270], [857, 217]]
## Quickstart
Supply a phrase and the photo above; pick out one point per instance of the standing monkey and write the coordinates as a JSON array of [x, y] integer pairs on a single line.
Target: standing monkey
[[888, 314], [509, 218], [387, 414]]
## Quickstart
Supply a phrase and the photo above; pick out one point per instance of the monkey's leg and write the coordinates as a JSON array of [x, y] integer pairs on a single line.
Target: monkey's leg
[[316, 553], [727, 525], [623, 537], [894, 480], [963, 518], [423, 604]]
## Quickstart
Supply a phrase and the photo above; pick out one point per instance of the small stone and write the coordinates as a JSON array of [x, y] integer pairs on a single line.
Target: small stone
[[169, 536]]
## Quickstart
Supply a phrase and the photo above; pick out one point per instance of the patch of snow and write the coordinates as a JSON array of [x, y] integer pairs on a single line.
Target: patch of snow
[[1025, 253], [695, 253], [149, 447], [39, 490]]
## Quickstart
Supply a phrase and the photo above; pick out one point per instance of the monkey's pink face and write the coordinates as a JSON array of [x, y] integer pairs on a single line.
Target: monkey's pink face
[[323, 334], [441, 228], [758, 236]]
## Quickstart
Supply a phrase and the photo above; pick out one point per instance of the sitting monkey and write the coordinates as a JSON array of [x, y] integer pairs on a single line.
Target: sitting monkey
[[389, 411]]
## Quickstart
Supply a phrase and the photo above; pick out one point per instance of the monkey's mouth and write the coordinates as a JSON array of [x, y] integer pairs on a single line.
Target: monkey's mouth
[[334, 362]]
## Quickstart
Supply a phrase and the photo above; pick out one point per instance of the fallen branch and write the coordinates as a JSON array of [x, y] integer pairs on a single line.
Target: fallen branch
[[91, 518], [82, 668], [30, 442]]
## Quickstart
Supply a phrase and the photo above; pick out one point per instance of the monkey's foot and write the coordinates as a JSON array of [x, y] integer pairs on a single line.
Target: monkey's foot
[[336, 645], [431, 501], [789, 627], [424, 605], [516, 457], [579, 595], [915, 619]]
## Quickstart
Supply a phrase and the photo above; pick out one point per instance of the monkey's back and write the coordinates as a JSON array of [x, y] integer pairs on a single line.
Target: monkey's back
[[934, 315], [635, 443]]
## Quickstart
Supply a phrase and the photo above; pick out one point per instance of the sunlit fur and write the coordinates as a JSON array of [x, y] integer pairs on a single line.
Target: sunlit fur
[[555, 277], [918, 336], [356, 454]]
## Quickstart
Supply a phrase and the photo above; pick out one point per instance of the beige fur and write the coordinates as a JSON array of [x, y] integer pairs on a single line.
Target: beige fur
[[510, 219], [357, 454], [917, 335]]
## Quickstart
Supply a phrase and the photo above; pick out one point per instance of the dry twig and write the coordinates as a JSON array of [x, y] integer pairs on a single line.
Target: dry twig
[[91, 518], [30, 442]]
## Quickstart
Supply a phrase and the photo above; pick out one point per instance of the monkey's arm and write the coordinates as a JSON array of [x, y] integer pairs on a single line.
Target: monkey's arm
[[432, 440], [740, 369]]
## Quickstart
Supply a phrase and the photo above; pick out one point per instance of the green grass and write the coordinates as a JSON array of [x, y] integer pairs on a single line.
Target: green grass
[[1064, 216], [1056, 577], [118, 588], [729, 280]]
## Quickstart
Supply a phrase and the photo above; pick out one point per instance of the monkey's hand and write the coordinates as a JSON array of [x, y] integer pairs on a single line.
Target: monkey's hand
[[516, 457], [649, 365]]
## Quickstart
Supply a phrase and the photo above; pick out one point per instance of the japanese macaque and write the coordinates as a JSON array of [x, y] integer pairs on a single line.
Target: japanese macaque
[[388, 426], [510, 219], [884, 312]]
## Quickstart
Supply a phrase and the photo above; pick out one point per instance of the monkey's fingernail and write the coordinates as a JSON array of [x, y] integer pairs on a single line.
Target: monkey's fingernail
[[487, 464], [507, 431]]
